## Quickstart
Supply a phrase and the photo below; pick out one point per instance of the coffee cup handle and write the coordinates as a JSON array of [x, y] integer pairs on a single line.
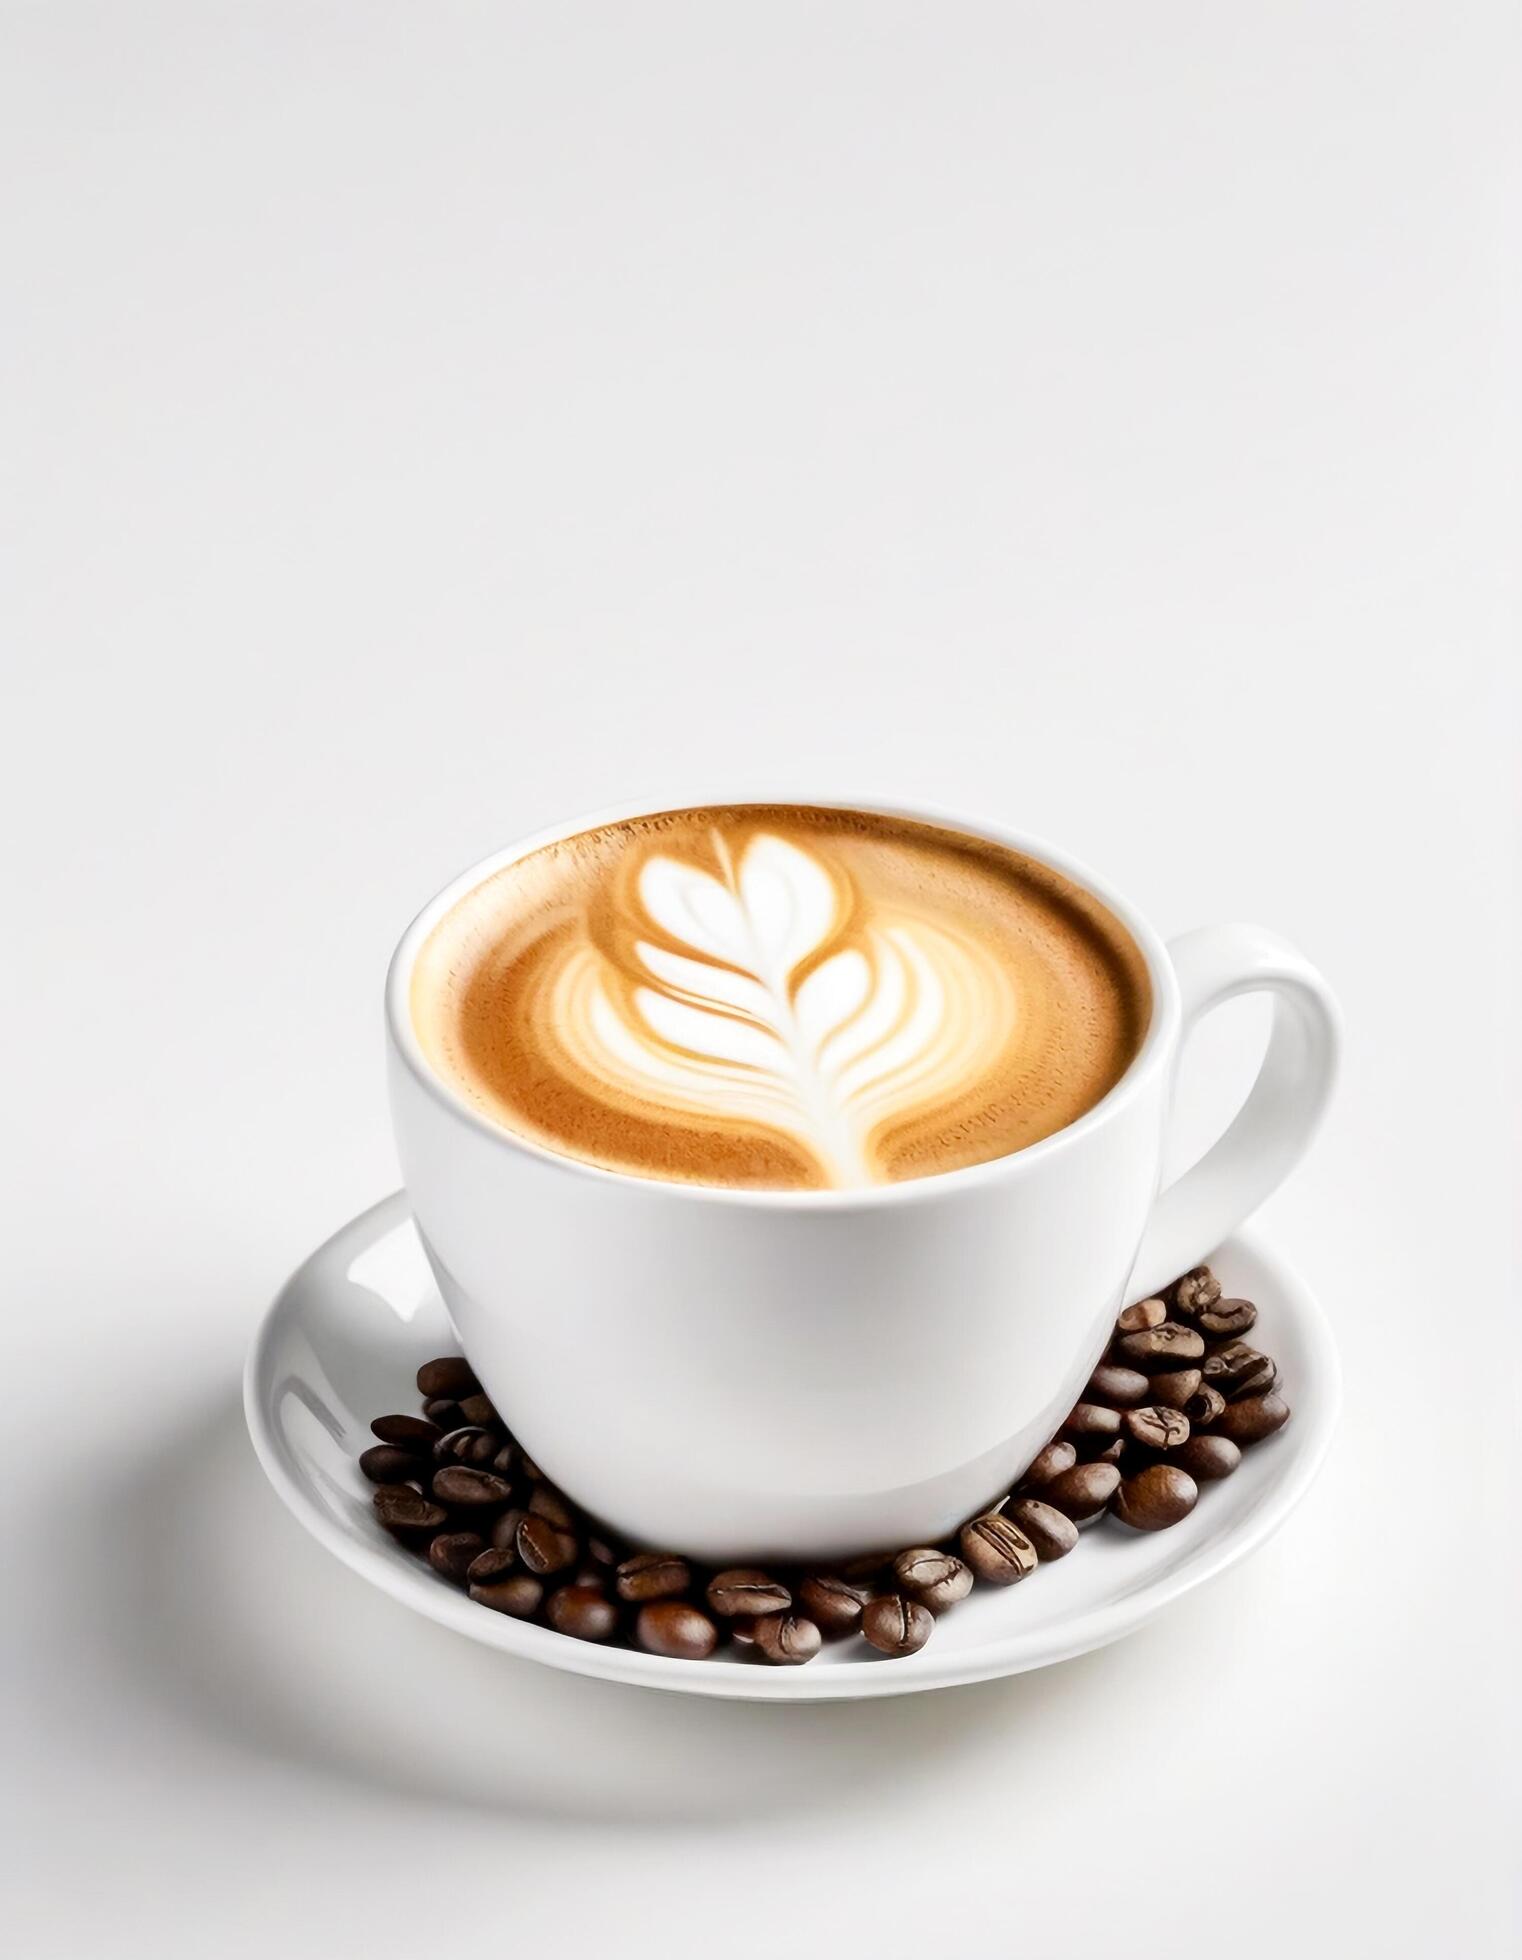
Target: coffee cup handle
[[1271, 1131]]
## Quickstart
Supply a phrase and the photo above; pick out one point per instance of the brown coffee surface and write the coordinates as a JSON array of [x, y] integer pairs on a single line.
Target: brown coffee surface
[[780, 996]]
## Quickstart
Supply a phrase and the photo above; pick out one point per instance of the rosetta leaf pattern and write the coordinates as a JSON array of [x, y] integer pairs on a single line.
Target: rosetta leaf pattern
[[754, 995]]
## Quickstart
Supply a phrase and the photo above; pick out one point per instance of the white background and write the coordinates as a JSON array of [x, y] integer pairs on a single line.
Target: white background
[[422, 423]]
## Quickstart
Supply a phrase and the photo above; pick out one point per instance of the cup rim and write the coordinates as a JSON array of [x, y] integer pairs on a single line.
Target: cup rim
[[1155, 1044]]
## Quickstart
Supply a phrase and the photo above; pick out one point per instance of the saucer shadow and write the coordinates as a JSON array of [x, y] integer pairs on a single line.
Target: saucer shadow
[[232, 1621]]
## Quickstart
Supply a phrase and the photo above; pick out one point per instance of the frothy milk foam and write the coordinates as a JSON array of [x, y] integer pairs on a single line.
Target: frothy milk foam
[[779, 996]]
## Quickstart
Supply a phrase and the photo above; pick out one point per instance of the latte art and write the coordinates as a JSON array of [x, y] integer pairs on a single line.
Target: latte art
[[779, 997], [759, 992]]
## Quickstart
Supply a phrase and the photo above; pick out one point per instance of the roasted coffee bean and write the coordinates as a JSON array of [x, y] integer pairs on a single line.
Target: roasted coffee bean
[[477, 1447], [491, 1564], [451, 1552], [1267, 1381], [505, 1462], [1251, 1419], [544, 1547], [1051, 1532], [400, 1508], [935, 1579], [1228, 1317], [1204, 1405], [1122, 1388], [1053, 1460], [653, 1575], [1083, 1491], [1111, 1453], [1157, 1429], [1158, 1348], [547, 1502], [743, 1632], [527, 1467], [1196, 1291], [406, 1433], [1141, 1315], [1208, 1458], [671, 1627], [743, 1590], [583, 1612], [1262, 1380], [866, 1567], [897, 1626], [518, 1596], [384, 1464], [999, 1551], [785, 1639], [470, 1489], [832, 1603], [443, 1413], [504, 1529], [1092, 1425], [600, 1553], [1173, 1390], [451, 1375], [1234, 1365], [480, 1412], [1155, 1498]]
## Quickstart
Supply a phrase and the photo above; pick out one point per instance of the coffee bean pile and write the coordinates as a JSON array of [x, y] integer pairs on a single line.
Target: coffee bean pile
[[1177, 1397]]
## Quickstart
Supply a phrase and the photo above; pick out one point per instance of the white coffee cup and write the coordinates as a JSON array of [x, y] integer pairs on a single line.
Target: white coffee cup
[[768, 1374]]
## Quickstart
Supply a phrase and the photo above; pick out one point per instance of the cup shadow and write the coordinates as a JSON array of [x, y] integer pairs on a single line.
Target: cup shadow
[[232, 1621]]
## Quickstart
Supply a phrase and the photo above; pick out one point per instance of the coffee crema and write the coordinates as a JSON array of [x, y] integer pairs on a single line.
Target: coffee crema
[[781, 997]]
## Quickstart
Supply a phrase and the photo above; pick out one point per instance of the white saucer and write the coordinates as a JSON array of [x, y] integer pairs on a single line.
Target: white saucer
[[344, 1339]]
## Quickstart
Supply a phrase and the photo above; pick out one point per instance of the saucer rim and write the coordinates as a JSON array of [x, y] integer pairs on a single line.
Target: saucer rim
[[396, 1573]]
